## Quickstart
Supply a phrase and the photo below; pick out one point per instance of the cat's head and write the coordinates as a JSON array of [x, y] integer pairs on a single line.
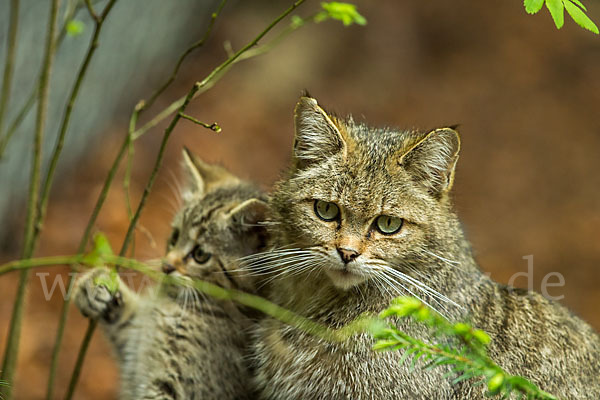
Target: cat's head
[[365, 202], [218, 223]]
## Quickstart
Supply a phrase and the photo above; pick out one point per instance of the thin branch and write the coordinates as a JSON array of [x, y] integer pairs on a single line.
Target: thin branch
[[92, 12], [12, 346], [80, 357], [193, 47], [213, 127], [183, 103], [34, 91], [217, 73], [154, 173], [10, 58], [99, 22], [360, 325], [67, 117], [127, 185]]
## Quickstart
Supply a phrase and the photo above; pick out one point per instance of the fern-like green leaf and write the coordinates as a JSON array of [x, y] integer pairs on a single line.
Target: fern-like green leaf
[[533, 6], [579, 17], [557, 11]]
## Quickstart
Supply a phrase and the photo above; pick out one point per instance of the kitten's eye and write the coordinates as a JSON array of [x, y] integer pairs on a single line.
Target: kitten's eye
[[173, 239], [200, 256], [326, 210], [388, 225]]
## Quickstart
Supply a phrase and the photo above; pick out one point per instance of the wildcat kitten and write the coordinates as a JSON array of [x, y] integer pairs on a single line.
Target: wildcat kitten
[[181, 344], [364, 215]]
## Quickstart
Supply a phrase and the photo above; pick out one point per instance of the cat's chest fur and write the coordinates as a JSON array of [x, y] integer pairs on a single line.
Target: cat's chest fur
[[176, 349], [292, 364]]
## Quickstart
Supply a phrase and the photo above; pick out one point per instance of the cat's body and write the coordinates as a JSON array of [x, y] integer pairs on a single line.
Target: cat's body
[[175, 343], [366, 216]]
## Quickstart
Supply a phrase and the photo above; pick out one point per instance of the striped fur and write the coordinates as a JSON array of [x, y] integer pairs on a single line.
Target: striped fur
[[173, 342], [369, 172]]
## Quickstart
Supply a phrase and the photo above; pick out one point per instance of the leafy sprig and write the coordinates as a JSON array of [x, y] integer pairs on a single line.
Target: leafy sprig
[[557, 8], [467, 356], [465, 351], [344, 12]]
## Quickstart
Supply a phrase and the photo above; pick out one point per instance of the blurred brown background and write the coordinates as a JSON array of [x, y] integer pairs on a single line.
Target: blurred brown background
[[527, 97]]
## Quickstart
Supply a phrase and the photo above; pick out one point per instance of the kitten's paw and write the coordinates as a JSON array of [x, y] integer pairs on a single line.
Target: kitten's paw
[[94, 299]]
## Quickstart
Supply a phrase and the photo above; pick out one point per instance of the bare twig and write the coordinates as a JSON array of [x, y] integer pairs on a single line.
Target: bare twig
[[80, 357], [244, 54], [126, 187], [193, 47], [34, 92], [68, 112], [92, 12], [129, 236], [10, 58], [198, 86], [12, 346], [99, 20], [213, 127]]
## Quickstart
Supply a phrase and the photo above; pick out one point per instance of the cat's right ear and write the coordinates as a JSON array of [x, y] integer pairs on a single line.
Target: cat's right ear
[[200, 176], [432, 160], [317, 137]]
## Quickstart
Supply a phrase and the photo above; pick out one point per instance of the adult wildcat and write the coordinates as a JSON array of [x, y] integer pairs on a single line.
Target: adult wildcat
[[364, 215], [180, 344]]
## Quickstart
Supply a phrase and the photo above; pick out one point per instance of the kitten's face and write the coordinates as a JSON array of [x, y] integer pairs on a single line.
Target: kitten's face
[[359, 202], [216, 226]]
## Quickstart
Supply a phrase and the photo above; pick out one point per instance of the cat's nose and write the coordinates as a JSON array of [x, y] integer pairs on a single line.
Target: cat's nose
[[168, 268], [347, 255]]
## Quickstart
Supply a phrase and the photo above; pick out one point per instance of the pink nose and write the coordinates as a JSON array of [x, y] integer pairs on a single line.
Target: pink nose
[[347, 255]]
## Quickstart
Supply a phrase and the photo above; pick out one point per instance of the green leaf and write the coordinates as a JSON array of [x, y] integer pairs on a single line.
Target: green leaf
[[111, 282], [495, 383], [297, 21], [377, 328], [557, 11], [96, 257], [344, 12], [75, 27], [533, 6], [481, 336], [462, 328], [580, 4], [580, 18]]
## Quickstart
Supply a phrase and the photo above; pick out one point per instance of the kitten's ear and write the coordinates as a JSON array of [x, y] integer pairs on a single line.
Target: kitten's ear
[[316, 135], [248, 216], [432, 160], [250, 212], [202, 177]]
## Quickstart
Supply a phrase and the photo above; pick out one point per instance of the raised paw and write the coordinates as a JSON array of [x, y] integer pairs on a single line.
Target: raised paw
[[94, 299]]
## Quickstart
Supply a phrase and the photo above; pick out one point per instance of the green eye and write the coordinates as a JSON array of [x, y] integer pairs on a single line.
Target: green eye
[[200, 256], [388, 225], [326, 210]]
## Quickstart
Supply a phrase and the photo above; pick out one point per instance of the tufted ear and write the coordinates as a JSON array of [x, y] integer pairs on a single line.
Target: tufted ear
[[249, 217], [202, 177], [432, 160], [316, 135], [250, 212]]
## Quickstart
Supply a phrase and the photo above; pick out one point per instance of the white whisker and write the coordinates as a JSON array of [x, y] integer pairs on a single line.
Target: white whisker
[[440, 257]]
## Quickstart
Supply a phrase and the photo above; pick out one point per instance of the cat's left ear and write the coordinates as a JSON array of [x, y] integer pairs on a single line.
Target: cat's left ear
[[316, 135], [202, 177], [432, 160]]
